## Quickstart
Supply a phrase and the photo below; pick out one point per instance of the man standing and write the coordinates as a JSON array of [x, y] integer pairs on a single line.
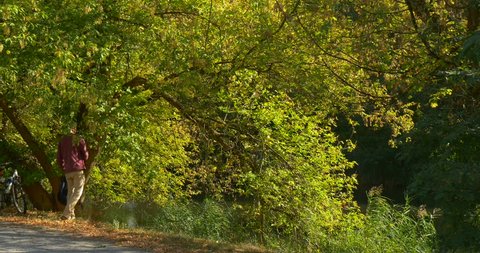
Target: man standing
[[71, 157]]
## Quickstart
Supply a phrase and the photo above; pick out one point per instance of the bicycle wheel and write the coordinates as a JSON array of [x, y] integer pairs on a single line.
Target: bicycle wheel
[[19, 199]]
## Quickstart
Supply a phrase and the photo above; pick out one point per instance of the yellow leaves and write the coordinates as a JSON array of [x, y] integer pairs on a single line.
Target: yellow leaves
[[6, 30], [435, 98], [59, 78], [87, 9], [22, 44]]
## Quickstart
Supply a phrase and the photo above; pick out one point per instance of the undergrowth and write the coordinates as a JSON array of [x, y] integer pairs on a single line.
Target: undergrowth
[[385, 227], [388, 228]]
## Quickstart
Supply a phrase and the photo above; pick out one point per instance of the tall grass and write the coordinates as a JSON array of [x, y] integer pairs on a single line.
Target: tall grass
[[207, 219], [386, 228]]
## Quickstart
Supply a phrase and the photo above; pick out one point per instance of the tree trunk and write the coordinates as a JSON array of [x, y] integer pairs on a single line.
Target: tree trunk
[[39, 197], [38, 151], [473, 16], [93, 152]]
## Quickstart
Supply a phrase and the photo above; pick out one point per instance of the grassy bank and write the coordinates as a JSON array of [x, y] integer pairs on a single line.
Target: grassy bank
[[384, 227]]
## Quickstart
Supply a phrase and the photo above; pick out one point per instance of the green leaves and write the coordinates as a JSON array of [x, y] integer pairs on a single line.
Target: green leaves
[[234, 99], [471, 48]]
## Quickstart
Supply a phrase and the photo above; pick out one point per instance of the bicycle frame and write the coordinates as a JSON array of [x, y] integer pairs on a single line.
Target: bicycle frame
[[11, 193]]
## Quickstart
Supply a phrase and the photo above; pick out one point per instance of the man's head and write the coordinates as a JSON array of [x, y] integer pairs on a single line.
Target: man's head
[[73, 130]]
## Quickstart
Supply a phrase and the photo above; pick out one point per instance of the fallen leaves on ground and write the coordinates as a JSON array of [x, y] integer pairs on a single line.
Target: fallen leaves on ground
[[137, 238]]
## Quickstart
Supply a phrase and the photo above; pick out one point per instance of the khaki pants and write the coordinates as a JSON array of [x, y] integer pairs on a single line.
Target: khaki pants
[[75, 183]]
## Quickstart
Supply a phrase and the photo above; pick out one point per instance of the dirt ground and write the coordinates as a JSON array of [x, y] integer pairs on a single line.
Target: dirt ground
[[32, 228]]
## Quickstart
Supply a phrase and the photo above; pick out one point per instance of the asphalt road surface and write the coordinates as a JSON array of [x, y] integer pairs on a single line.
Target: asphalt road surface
[[18, 238]]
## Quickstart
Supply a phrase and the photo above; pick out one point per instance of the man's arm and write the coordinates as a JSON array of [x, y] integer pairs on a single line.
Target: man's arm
[[83, 149]]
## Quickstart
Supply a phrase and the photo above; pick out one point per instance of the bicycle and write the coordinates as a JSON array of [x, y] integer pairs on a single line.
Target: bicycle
[[11, 191]]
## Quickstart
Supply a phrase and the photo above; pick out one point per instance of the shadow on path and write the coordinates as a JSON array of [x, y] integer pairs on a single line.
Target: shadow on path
[[18, 238]]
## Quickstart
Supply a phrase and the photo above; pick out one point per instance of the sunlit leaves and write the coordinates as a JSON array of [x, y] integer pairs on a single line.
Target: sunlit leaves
[[298, 161], [237, 99]]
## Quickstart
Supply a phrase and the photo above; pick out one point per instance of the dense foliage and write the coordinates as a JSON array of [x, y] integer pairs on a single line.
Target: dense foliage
[[256, 103]]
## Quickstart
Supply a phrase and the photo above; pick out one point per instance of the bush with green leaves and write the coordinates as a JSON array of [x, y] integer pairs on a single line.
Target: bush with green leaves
[[295, 182]]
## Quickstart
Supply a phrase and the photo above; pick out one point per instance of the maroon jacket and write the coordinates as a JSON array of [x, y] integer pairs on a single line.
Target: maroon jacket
[[69, 157]]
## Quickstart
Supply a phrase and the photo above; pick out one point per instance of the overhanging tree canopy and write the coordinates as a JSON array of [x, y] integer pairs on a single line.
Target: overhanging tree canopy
[[221, 98]]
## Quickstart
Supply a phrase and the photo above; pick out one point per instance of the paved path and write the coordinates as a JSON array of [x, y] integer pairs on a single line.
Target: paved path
[[18, 238]]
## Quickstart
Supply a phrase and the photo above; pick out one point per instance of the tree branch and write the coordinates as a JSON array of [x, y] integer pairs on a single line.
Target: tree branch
[[36, 148], [345, 82], [269, 35], [349, 61], [427, 45]]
